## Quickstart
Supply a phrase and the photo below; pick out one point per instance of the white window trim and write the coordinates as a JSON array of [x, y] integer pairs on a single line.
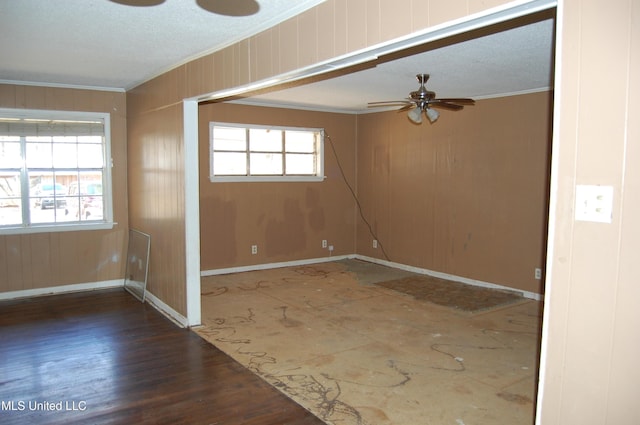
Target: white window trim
[[253, 178], [107, 222]]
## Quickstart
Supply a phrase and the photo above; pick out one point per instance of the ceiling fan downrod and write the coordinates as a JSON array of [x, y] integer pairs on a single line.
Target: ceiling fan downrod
[[422, 94]]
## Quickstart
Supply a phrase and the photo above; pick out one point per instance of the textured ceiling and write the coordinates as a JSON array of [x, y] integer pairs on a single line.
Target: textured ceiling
[[509, 59], [106, 44], [111, 44]]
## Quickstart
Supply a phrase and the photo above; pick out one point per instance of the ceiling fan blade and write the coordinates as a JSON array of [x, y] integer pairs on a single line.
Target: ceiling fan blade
[[389, 103], [407, 107], [462, 101], [386, 102], [445, 105], [230, 8]]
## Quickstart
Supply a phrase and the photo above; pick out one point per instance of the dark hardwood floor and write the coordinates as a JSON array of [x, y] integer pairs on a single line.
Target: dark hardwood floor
[[103, 357]]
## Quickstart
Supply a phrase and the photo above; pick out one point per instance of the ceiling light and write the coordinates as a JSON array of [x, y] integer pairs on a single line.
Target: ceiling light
[[415, 115], [432, 114]]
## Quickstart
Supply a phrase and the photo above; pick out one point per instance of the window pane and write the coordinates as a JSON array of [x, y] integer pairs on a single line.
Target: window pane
[[229, 139], [11, 212], [90, 156], [229, 164], [10, 152], [300, 141], [10, 202], [301, 164], [265, 140], [266, 164], [39, 155], [48, 199], [49, 215], [65, 155], [85, 200]]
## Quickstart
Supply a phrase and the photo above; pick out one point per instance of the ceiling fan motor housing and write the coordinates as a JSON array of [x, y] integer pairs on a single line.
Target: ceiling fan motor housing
[[422, 96]]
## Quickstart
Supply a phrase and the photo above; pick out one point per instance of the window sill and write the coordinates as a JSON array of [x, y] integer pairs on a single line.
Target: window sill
[[47, 228], [263, 179]]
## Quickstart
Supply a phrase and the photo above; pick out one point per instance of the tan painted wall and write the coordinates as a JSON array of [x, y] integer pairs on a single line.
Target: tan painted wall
[[592, 343], [466, 195], [330, 30], [288, 221], [42, 260]]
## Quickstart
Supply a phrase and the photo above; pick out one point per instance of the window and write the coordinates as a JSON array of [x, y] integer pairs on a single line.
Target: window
[[54, 171], [241, 152]]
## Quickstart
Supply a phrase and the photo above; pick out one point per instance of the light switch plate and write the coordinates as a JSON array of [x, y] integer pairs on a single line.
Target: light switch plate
[[594, 203]]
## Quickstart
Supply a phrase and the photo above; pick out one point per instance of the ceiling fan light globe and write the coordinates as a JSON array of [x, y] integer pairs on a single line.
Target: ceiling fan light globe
[[432, 114], [415, 115]]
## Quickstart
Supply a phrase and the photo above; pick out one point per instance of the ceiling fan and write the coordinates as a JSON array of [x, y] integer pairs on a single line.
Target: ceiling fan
[[219, 7], [423, 100]]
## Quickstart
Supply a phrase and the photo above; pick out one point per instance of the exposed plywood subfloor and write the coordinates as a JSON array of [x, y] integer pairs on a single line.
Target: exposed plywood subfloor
[[354, 352]]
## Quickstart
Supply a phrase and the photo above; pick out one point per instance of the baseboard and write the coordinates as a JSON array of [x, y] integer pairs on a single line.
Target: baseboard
[[267, 266], [154, 301], [64, 289], [526, 294], [165, 310], [454, 278]]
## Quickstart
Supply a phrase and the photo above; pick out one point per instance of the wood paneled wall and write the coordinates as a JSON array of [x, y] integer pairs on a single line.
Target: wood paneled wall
[[591, 341], [42, 260], [466, 195], [156, 198]]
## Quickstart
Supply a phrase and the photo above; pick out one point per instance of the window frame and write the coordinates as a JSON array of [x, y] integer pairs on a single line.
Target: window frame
[[107, 221], [319, 153]]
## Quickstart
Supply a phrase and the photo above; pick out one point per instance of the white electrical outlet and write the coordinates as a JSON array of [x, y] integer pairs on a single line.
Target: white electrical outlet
[[538, 274], [375, 243], [330, 248], [324, 243], [254, 249], [594, 203]]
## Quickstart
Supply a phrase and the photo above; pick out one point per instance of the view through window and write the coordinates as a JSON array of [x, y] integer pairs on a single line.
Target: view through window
[[54, 170]]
